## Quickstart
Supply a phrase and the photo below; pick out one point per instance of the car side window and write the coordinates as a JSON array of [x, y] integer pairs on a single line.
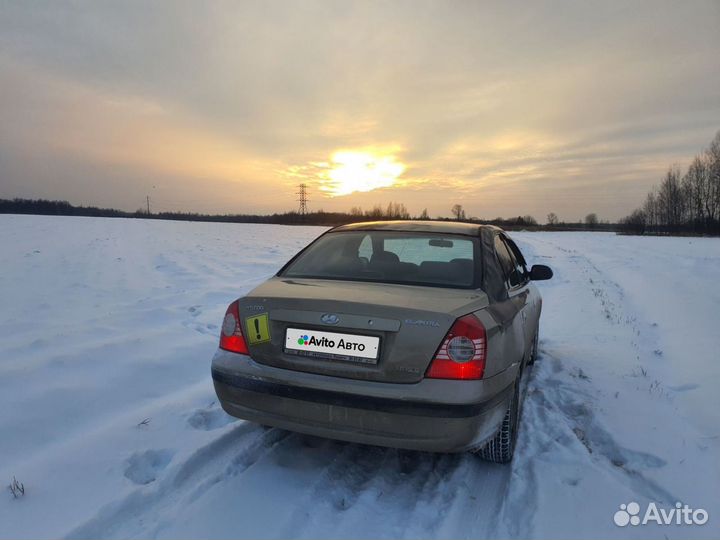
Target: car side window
[[518, 259], [506, 262]]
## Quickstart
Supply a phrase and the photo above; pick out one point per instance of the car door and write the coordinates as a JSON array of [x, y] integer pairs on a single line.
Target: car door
[[511, 313], [519, 293], [533, 300]]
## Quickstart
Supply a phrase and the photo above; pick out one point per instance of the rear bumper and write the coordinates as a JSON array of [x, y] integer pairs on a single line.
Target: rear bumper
[[432, 415]]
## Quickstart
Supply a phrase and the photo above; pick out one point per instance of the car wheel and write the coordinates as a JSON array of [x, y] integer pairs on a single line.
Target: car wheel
[[534, 351], [501, 448]]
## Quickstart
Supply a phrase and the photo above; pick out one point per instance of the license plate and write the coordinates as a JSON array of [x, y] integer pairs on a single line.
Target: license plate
[[332, 345]]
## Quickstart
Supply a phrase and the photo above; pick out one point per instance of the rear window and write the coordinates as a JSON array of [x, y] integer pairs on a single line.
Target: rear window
[[390, 257]]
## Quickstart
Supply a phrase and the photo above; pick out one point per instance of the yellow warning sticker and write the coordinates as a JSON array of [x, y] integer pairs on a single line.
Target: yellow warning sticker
[[257, 329]]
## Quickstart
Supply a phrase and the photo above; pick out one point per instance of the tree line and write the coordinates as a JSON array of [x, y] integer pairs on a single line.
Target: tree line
[[683, 203], [392, 210], [64, 208]]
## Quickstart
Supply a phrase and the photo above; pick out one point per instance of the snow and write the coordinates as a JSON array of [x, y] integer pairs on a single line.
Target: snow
[[109, 418]]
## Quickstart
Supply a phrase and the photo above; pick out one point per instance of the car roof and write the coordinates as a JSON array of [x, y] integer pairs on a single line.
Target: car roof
[[446, 227]]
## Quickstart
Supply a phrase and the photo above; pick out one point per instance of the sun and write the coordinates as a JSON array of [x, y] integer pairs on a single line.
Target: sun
[[352, 171]]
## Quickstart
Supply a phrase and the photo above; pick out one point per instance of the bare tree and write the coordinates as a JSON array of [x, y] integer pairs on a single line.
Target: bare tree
[[552, 219], [396, 211], [694, 185], [458, 212], [670, 197], [689, 202], [712, 195], [375, 213], [591, 220], [424, 214], [635, 222], [650, 210]]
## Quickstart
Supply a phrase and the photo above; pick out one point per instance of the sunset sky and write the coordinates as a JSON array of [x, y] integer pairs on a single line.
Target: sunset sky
[[509, 108]]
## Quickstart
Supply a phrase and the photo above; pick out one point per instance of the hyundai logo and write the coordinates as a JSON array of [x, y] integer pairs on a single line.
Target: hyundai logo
[[330, 318]]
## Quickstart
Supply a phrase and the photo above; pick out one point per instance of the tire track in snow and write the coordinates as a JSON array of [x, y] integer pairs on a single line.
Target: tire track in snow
[[338, 486], [464, 499], [414, 494], [575, 409], [404, 493], [381, 491], [388, 504], [610, 299], [559, 417], [144, 509]]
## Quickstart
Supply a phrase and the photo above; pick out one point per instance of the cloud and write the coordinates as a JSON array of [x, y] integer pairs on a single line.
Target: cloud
[[509, 107]]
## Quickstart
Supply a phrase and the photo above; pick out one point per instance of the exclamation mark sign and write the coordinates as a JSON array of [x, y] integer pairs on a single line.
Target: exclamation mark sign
[[258, 328]]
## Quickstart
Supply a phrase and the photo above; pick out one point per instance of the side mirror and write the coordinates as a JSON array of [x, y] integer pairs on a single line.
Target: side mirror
[[540, 272]]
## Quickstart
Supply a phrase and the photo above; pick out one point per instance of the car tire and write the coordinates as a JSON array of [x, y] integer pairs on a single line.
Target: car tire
[[501, 448]]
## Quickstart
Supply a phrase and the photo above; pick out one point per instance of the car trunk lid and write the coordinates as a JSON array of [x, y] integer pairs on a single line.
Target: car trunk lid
[[409, 322]]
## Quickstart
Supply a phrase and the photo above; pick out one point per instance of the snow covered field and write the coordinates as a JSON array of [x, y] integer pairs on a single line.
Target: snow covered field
[[108, 415]]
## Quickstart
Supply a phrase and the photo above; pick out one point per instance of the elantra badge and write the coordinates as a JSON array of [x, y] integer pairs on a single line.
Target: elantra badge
[[330, 318]]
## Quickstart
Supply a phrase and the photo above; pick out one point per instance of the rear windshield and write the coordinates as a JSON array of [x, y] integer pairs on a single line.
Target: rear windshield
[[390, 257]]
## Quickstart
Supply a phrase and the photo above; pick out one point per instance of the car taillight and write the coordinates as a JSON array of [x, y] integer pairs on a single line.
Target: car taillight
[[462, 353], [231, 336]]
